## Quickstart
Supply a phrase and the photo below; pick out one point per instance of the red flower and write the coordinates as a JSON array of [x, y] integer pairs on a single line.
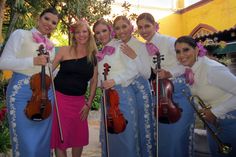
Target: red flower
[[3, 112]]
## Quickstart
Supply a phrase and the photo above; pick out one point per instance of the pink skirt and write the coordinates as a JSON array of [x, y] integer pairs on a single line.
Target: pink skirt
[[74, 130]]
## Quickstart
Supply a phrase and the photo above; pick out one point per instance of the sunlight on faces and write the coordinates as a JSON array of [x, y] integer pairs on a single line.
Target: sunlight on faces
[[123, 30], [81, 33], [47, 23], [102, 33], [186, 54], [146, 29]]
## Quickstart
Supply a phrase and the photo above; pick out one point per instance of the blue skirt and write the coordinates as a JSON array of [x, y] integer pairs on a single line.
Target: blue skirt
[[29, 138], [175, 140], [146, 120], [125, 143], [226, 133]]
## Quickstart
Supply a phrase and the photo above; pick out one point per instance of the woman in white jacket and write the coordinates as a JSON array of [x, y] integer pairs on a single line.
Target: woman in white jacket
[[137, 51], [215, 85], [120, 76], [29, 137], [174, 139]]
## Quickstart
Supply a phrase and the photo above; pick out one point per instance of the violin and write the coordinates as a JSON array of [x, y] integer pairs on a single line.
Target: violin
[[116, 123], [168, 110], [38, 107]]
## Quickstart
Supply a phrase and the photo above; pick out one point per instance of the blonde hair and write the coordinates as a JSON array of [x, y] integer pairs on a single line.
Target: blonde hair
[[103, 22], [121, 17], [91, 46]]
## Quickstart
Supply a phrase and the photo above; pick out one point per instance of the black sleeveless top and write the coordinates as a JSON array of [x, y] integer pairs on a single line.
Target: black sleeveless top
[[73, 76]]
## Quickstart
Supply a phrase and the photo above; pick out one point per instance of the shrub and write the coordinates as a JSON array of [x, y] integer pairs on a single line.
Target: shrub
[[4, 127], [97, 99], [4, 130]]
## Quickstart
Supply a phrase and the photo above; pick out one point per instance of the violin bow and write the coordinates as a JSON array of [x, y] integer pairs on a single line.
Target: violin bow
[[157, 105], [157, 121], [105, 113], [105, 122], [55, 99]]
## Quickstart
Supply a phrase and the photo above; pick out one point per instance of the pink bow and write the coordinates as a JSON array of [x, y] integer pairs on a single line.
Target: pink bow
[[189, 76], [107, 50], [202, 50], [39, 38], [152, 49]]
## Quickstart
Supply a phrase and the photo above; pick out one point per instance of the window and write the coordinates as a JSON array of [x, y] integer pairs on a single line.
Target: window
[[202, 32], [190, 2]]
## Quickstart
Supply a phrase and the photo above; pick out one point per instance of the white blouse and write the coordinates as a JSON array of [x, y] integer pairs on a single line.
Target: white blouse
[[165, 44], [141, 62], [8, 60], [122, 70], [215, 84], [15, 57]]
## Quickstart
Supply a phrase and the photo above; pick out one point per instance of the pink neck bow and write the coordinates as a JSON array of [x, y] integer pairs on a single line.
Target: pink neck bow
[[152, 49], [39, 38], [189, 76], [107, 50]]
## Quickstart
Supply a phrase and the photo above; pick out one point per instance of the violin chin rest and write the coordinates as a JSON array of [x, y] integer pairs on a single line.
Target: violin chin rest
[[36, 117]]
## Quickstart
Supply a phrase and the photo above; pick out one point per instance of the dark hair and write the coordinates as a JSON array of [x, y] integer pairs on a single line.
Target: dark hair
[[50, 10], [188, 40], [146, 16]]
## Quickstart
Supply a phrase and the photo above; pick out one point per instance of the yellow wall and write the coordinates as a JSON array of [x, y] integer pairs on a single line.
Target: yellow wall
[[171, 25], [220, 14]]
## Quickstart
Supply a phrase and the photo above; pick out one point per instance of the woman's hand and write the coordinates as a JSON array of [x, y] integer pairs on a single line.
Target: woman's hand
[[128, 51], [162, 74], [108, 84], [41, 60], [84, 112]]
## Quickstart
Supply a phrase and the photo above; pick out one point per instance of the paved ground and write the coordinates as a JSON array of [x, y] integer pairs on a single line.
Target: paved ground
[[94, 148]]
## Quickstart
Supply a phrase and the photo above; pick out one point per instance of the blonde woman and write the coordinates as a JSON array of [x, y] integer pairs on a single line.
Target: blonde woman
[[136, 50], [119, 78], [78, 66]]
